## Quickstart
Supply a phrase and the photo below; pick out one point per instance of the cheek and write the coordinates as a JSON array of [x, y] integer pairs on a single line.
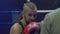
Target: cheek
[[27, 17]]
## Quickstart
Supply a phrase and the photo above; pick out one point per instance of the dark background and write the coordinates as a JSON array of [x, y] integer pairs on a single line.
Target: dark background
[[10, 8], [9, 5]]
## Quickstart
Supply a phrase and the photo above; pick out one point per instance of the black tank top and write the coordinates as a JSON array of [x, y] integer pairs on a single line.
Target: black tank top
[[21, 26]]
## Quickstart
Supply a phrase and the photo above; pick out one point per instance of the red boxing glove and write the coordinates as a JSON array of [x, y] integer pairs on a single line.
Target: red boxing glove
[[31, 27]]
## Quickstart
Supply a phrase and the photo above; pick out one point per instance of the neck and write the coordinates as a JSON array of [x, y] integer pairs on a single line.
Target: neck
[[23, 22]]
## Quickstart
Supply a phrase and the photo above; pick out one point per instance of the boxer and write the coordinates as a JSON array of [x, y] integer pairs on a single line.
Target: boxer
[[28, 15]]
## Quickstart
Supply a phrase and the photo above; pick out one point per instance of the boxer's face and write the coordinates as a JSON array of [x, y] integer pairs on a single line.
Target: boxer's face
[[30, 14]]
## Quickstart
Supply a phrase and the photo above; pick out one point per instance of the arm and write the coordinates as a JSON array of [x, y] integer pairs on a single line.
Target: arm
[[46, 29]]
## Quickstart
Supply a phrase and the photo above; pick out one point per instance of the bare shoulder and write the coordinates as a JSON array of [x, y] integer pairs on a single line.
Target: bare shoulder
[[15, 29], [16, 26]]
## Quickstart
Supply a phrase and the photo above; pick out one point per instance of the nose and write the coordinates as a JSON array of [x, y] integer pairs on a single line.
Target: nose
[[32, 18]]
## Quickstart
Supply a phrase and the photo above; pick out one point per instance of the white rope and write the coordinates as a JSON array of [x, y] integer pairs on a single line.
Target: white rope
[[43, 11]]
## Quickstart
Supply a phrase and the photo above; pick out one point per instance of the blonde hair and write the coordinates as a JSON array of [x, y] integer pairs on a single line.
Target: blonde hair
[[31, 5]]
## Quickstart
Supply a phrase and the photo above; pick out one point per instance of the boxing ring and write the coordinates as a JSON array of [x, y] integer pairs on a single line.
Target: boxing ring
[[7, 19]]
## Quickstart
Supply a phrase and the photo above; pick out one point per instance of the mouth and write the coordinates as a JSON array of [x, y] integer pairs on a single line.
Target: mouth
[[32, 20]]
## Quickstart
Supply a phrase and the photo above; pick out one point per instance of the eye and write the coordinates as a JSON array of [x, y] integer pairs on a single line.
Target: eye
[[35, 15], [32, 15]]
